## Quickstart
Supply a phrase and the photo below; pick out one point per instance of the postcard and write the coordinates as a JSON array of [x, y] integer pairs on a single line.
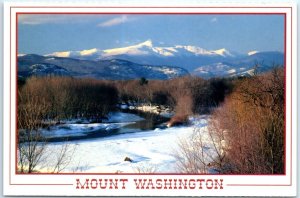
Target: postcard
[[150, 100]]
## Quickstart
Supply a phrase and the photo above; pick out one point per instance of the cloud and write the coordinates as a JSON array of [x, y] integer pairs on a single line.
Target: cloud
[[37, 19], [214, 20], [107, 20], [33, 19], [115, 21]]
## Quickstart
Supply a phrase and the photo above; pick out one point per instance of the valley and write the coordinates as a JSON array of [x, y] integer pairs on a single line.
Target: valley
[[147, 109]]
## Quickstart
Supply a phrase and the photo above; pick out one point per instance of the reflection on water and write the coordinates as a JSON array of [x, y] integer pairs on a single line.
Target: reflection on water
[[150, 122]]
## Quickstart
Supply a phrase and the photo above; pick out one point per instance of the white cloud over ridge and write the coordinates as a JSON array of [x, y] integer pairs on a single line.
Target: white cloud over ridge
[[214, 20], [105, 20], [37, 19], [115, 21]]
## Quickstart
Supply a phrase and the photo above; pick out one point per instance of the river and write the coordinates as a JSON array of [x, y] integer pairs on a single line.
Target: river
[[120, 122]]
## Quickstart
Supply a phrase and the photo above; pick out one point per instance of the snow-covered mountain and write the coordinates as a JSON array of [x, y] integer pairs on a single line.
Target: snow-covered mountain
[[197, 60], [243, 66], [115, 69], [143, 49]]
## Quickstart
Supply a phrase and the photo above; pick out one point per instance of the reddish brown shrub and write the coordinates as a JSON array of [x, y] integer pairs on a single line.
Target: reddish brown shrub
[[253, 118], [178, 120]]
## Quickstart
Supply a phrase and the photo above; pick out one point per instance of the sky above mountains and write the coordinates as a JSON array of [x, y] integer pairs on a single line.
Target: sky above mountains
[[47, 33]]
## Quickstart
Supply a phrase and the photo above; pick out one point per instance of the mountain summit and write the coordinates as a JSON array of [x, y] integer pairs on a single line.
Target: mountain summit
[[147, 43]]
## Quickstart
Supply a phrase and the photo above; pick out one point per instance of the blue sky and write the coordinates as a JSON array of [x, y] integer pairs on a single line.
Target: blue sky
[[43, 34]]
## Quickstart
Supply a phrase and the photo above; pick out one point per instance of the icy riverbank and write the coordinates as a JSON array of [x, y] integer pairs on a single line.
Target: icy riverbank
[[151, 151], [73, 128]]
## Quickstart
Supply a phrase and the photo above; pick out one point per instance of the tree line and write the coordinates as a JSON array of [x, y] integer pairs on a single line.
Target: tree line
[[56, 98]]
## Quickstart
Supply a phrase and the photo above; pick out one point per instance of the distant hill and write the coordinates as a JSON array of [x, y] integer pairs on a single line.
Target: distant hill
[[114, 69], [243, 66]]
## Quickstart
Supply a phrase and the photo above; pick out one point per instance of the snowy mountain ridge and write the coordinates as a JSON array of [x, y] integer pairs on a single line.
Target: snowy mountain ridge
[[144, 48], [192, 59]]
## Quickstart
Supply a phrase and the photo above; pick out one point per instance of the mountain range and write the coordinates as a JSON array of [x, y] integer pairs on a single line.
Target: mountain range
[[115, 69], [146, 60]]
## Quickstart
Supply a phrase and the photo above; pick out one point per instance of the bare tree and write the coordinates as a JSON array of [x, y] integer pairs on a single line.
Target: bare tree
[[203, 152], [34, 108], [63, 157], [31, 144], [145, 168]]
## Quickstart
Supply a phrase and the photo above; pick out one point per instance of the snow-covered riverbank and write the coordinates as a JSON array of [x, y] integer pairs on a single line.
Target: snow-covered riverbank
[[150, 151], [72, 128]]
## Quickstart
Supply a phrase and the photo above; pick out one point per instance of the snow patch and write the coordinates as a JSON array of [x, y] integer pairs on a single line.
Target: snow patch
[[123, 117], [252, 53], [88, 52], [166, 70], [231, 71], [125, 50], [163, 51], [132, 50], [67, 130], [147, 43], [222, 52]]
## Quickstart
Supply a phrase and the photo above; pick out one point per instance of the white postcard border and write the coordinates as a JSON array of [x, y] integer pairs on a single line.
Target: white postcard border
[[66, 184]]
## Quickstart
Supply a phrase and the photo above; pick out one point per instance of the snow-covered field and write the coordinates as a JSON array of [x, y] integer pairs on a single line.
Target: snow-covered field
[[150, 151]]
